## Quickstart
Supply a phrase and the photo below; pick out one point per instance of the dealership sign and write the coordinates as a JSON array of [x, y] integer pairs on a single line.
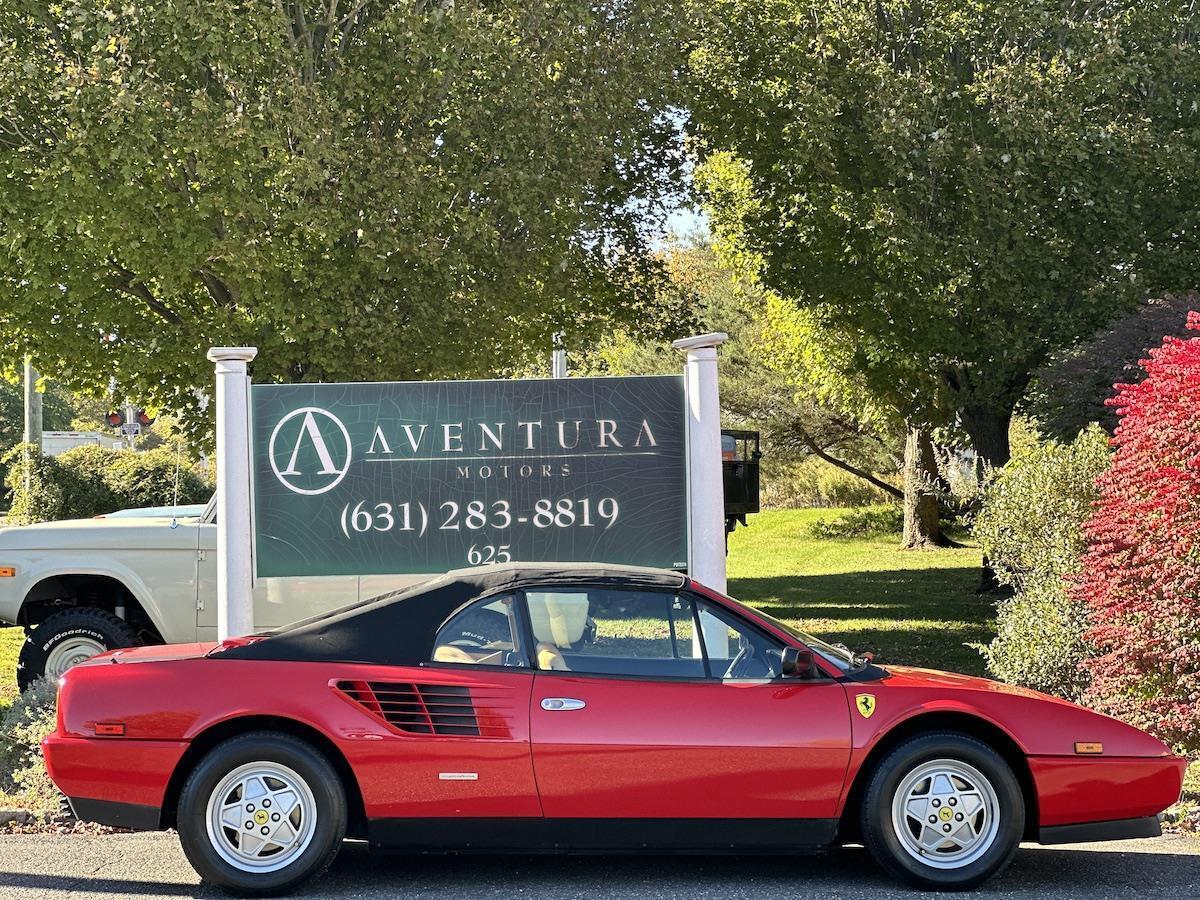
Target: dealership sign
[[414, 477]]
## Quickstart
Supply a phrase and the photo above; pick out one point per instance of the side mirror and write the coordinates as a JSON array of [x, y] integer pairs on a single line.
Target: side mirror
[[798, 663]]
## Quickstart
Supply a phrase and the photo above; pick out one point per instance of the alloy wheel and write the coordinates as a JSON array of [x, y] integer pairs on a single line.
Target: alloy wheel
[[261, 817], [946, 814]]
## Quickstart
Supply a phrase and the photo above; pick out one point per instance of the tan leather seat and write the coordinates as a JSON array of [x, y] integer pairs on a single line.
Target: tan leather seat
[[550, 659], [558, 619], [450, 654]]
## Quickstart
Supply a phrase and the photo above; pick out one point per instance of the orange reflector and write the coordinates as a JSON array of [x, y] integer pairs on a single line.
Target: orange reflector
[[113, 729], [7, 571], [1084, 747]]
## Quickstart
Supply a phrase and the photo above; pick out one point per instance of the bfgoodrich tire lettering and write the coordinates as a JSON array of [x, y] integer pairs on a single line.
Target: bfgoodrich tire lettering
[[988, 808], [70, 636], [304, 770]]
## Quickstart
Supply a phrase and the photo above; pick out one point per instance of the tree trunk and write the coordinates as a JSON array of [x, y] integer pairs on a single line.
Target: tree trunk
[[922, 525], [988, 429]]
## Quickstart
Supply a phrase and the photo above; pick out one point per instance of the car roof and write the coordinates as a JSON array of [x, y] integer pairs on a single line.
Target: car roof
[[398, 628]]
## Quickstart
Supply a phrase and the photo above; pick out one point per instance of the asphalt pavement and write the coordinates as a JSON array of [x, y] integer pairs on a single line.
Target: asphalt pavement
[[152, 865]]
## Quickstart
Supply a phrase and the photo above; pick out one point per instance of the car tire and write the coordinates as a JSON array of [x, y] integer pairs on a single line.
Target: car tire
[[67, 638], [244, 775], [943, 811]]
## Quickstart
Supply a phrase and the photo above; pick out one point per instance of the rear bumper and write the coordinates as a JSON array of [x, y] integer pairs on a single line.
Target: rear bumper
[[1118, 830], [1073, 791], [114, 781], [117, 814]]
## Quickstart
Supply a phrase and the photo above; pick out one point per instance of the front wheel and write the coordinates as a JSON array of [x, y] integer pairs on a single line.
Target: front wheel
[[261, 813], [943, 811]]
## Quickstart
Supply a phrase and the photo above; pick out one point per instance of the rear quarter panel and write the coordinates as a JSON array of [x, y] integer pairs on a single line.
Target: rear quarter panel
[[398, 774]]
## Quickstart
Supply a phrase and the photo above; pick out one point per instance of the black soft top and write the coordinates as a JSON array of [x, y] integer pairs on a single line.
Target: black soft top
[[398, 628]]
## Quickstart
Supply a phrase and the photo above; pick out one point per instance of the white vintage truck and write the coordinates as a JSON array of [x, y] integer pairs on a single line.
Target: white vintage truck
[[81, 587]]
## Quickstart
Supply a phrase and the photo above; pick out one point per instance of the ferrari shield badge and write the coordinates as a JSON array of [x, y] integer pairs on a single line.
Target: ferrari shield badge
[[865, 704]]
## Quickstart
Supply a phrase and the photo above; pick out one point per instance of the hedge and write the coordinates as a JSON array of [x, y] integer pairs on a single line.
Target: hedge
[[89, 481]]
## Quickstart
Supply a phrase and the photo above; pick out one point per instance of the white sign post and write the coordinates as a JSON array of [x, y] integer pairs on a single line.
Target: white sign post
[[706, 495], [706, 492], [235, 576]]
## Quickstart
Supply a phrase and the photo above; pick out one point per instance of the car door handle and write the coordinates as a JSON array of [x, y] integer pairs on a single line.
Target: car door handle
[[553, 704]]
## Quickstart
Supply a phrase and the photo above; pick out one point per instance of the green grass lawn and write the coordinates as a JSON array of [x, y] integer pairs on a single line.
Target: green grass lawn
[[915, 607]]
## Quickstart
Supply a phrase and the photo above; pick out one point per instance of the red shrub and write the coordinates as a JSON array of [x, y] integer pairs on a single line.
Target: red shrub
[[1141, 569]]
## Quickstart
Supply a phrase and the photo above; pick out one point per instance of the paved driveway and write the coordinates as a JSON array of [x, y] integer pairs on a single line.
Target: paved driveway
[[151, 865]]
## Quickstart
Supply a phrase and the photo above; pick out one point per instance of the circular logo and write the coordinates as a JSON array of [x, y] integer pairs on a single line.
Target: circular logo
[[261, 817], [947, 813], [309, 450]]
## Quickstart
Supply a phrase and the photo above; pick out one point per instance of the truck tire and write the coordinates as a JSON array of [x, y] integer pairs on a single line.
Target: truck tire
[[67, 638]]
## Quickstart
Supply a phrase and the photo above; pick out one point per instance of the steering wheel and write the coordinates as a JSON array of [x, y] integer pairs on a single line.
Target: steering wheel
[[743, 656]]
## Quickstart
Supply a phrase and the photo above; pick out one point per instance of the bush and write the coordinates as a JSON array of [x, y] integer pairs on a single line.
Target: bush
[[88, 481], [1031, 528], [869, 521], [33, 483], [815, 483], [1141, 571], [22, 771], [148, 479]]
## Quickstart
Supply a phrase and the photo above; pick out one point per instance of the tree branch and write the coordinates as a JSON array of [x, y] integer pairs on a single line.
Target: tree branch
[[866, 476], [225, 295], [128, 283]]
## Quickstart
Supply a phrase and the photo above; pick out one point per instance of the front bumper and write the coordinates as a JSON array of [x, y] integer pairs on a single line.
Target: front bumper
[[113, 781], [1101, 791]]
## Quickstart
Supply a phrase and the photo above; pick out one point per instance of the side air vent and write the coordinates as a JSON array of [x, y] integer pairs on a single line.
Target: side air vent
[[417, 708]]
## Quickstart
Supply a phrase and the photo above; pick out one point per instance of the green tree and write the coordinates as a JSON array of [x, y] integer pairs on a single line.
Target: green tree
[[1073, 389], [756, 391], [58, 410], [839, 371], [952, 190], [377, 189]]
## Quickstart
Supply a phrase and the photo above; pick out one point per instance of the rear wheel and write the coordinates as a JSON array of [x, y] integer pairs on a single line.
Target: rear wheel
[[943, 811], [66, 639], [262, 813]]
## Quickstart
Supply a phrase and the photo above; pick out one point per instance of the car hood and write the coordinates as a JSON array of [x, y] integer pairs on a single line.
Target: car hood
[[97, 534], [1039, 723]]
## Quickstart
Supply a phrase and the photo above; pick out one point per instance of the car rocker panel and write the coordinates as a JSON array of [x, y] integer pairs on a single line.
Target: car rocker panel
[[582, 708]]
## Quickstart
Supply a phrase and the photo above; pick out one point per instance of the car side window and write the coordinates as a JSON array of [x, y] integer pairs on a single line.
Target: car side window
[[735, 649], [483, 634], [615, 632]]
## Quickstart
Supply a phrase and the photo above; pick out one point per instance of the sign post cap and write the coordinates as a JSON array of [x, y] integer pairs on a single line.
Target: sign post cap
[[221, 354], [712, 339]]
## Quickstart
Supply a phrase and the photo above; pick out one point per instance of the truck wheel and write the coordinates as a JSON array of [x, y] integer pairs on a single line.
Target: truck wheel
[[67, 638], [261, 813]]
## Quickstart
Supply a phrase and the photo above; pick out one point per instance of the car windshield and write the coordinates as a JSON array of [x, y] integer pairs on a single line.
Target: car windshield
[[835, 654]]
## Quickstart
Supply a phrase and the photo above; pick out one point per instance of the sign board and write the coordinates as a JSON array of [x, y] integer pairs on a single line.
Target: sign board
[[422, 477]]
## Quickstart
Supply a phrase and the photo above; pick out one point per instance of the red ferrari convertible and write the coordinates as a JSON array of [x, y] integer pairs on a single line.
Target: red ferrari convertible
[[582, 708]]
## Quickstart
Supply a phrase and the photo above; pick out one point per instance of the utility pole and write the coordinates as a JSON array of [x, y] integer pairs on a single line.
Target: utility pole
[[33, 416]]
